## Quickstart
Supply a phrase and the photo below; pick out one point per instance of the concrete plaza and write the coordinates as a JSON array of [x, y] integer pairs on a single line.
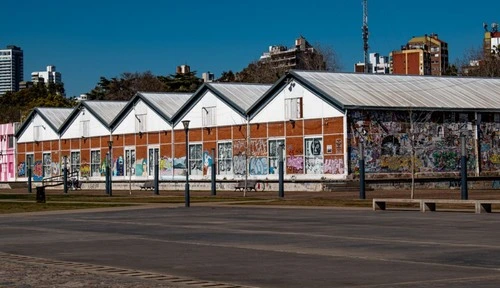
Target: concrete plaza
[[268, 246]]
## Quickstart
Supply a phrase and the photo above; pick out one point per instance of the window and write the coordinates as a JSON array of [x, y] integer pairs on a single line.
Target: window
[[10, 142], [36, 133], [195, 159], [84, 128], [140, 122], [47, 161], [95, 163], [225, 159], [293, 108], [153, 152], [274, 154], [75, 162], [208, 116], [313, 155], [129, 162]]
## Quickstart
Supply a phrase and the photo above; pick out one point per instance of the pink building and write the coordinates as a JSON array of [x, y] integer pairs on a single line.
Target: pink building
[[7, 152]]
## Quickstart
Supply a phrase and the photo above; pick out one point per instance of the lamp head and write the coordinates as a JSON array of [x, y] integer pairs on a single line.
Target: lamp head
[[186, 124]]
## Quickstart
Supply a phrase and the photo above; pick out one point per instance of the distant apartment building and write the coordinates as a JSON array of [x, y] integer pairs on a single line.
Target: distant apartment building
[[377, 64], [491, 41], [183, 69], [301, 56], [208, 77], [423, 55], [47, 77], [11, 68]]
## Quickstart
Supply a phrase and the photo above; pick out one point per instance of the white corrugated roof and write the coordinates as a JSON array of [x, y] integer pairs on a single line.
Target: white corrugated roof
[[401, 91], [167, 103], [107, 110], [243, 95], [56, 116]]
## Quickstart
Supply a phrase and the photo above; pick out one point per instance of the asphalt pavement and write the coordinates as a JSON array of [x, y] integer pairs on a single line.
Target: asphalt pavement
[[232, 246]]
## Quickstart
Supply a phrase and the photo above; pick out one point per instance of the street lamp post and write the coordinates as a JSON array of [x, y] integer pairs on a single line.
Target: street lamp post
[[463, 170], [281, 175], [157, 173], [362, 194], [186, 192], [110, 146], [214, 192], [65, 174]]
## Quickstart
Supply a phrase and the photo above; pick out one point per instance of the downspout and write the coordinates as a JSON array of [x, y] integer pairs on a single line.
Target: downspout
[[247, 154], [346, 146]]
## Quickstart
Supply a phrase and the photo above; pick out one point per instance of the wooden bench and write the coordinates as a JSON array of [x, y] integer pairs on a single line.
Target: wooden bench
[[150, 184], [240, 186], [425, 205]]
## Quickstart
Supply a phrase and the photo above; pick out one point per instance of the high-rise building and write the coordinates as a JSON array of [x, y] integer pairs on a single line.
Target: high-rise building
[[410, 60], [423, 55], [11, 68], [47, 77], [302, 56], [438, 50]]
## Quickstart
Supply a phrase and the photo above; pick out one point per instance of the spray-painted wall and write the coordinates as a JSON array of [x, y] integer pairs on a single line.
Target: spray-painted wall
[[390, 138]]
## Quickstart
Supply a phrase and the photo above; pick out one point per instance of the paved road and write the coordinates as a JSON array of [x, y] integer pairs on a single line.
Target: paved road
[[271, 247]]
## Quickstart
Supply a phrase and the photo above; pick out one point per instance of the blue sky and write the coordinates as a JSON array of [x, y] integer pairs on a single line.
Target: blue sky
[[89, 39]]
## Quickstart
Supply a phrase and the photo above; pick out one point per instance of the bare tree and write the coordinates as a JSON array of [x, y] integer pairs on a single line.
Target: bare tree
[[418, 122], [476, 62]]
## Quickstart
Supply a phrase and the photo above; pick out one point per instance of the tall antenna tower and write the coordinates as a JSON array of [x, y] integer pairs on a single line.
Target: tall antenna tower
[[365, 33]]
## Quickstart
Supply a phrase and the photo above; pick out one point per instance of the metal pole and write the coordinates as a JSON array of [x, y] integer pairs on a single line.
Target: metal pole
[[65, 174], [281, 184], [361, 171], [214, 192], [29, 175], [110, 144], [107, 173], [463, 167], [186, 191], [130, 178], [157, 173]]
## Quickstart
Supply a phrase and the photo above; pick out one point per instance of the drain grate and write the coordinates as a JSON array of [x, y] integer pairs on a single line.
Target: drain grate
[[119, 271]]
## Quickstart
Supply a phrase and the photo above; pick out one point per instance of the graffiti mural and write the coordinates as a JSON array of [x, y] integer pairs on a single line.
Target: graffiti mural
[[225, 154], [391, 138], [294, 164], [258, 166], [314, 155], [38, 171], [55, 168], [333, 166], [85, 170], [166, 167], [239, 165], [207, 164], [21, 169]]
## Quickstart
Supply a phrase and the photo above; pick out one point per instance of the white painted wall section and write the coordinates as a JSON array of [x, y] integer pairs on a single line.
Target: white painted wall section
[[314, 107], [96, 128], [154, 122], [45, 131], [225, 115]]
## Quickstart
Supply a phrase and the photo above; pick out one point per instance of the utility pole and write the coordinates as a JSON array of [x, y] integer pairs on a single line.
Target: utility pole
[[365, 33]]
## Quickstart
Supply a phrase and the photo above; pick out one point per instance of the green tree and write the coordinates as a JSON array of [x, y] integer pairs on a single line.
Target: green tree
[[17, 105], [227, 77]]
